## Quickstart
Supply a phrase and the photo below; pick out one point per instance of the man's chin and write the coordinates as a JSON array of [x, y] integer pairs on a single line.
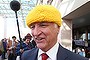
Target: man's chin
[[41, 46]]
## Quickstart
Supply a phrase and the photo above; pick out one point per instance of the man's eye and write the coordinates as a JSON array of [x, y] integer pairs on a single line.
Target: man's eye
[[43, 25], [32, 27]]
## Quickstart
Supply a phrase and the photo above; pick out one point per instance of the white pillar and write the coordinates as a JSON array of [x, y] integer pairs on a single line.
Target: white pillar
[[5, 27], [1, 27], [66, 34]]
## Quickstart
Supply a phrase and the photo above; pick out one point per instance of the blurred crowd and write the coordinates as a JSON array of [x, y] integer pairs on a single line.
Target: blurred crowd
[[81, 49], [11, 49]]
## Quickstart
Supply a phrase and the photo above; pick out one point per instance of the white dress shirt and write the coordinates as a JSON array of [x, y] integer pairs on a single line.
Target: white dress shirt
[[52, 53]]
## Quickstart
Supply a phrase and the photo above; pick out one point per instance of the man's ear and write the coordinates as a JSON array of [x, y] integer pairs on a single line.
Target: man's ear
[[58, 29]]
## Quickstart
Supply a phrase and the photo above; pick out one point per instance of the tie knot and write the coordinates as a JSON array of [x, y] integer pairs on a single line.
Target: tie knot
[[44, 56]]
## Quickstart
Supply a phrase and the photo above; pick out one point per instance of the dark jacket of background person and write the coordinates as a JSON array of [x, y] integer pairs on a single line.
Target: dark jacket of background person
[[24, 47], [4, 41], [87, 50], [1, 48], [33, 44], [0, 52]]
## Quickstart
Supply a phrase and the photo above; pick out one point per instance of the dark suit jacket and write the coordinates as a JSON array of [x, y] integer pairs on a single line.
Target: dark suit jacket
[[63, 54]]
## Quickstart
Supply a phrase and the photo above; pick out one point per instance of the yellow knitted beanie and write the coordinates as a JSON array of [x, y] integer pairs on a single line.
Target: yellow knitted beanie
[[43, 13]]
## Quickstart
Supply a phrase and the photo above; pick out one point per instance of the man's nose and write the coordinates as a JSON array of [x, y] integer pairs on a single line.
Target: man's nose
[[36, 31]]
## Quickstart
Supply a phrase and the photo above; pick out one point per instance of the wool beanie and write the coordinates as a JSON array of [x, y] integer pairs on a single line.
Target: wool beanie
[[43, 13]]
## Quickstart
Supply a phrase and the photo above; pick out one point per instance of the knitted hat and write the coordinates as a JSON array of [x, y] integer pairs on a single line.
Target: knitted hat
[[43, 13]]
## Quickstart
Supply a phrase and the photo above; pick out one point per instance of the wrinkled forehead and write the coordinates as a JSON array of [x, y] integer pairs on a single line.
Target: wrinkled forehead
[[45, 23], [42, 23]]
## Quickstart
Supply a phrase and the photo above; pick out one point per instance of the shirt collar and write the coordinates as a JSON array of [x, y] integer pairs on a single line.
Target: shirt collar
[[51, 53]]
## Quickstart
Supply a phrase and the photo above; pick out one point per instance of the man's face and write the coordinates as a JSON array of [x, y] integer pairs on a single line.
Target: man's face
[[27, 41], [44, 34], [14, 39]]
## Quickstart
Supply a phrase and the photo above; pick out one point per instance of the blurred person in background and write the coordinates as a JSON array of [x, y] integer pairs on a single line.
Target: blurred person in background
[[11, 48], [4, 41], [1, 49], [33, 44], [87, 51], [25, 45]]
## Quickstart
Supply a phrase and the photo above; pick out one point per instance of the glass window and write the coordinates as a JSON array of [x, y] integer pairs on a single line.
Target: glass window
[[88, 36]]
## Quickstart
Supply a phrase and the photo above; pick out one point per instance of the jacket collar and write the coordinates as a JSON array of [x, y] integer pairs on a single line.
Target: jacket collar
[[34, 54], [61, 55]]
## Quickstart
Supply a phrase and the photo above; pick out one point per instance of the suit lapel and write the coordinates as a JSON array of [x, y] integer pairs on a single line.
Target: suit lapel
[[34, 55], [61, 55]]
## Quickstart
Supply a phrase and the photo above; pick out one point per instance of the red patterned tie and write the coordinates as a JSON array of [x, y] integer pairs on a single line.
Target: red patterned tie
[[44, 56]]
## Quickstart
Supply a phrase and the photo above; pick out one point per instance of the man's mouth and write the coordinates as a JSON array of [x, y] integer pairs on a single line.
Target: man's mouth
[[38, 38]]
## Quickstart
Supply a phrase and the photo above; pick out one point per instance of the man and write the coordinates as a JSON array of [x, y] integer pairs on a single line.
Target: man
[[1, 47], [4, 41], [11, 48], [44, 22], [26, 45]]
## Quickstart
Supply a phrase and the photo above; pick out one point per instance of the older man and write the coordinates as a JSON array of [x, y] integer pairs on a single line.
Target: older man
[[44, 22]]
